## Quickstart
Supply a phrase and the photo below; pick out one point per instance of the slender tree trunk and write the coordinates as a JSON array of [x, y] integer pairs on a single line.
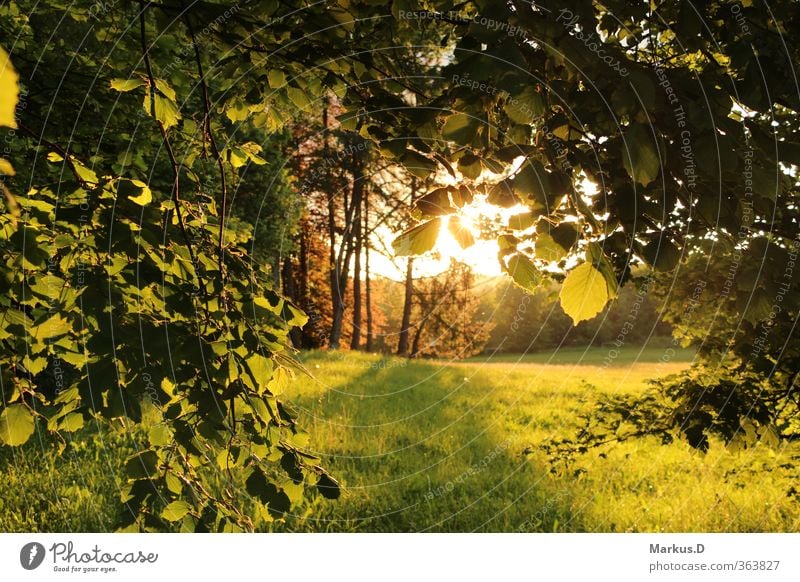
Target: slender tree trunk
[[367, 284], [417, 335], [402, 344], [290, 291], [337, 302], [355, 340], [302, 291], [405, 324], [341, 264]]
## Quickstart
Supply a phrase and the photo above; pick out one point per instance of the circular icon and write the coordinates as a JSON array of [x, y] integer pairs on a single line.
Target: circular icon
[[31, 555]]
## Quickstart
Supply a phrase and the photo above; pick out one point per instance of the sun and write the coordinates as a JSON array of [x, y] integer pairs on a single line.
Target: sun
[[482, 219]]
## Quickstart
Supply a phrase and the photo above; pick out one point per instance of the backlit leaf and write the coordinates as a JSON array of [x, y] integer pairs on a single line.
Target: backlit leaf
[[6, 167], [523, 271], [460, 232], [9, 91], [417, 240], [16, 425], [125, 85], [584, 293]]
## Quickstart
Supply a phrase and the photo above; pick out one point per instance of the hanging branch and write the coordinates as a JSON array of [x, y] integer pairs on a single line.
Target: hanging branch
[[209, 135], [176, 192]]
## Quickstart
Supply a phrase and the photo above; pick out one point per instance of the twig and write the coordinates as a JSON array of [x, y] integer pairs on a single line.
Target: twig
[[208, 134], [175, 195]]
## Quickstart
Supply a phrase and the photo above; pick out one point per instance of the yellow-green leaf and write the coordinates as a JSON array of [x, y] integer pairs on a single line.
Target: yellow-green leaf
[[72, 422], [525, 106], [176, 510], [6, 167], [417, 240], [56, 326], [136, 191], [299, 98], [584, 293], [276, 78], [9, 91], [166, 110], [16, 425], [547, 249], [523, 271], [165, 88], [125, 85], [84, 173]]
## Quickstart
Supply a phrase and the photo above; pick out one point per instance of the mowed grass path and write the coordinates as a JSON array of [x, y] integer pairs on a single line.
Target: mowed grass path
[[438, 446]]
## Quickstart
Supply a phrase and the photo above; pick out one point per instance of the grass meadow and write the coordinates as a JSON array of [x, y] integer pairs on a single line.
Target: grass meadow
[[440, 446]]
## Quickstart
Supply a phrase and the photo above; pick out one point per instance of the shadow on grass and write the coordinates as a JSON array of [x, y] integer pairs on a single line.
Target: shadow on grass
[[421, 447]]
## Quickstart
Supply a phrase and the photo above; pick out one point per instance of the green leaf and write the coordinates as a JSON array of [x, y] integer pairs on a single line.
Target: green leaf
[[460, 128], [523, 271], [329, 487], [16, 425], [159, 435], [299, 98], [532, 181], [9, 91], [173, 484], [547, 249], [55, 326], [276, 78], [125, 85], [176, 511], [142, 465], [554, 242], [135, 190], [460, 232], [584, 293], [526, 106], [165, 89], [435, 203], [639, 155], [166, 110], [84, 173], [417, 164], [470, 166], [522, 221], [71, 422], [418, 240], [662, 254]]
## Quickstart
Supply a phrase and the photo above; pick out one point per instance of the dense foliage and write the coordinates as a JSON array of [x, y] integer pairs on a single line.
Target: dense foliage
[[652, 144]]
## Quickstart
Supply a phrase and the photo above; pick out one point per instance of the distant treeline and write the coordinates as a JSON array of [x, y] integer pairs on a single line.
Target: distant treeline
[[525, 322]]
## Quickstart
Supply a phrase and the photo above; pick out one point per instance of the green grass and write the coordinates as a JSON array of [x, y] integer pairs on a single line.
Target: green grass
[[429, 446], [439, 446], [607, 356], [77, 491]]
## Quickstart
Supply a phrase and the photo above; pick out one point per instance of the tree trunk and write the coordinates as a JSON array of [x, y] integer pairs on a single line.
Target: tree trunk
[[415, 343], [402, 343], [341, 260], [302, 288], [355, 340], [337, 303], [368, 291], [290, 291]]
